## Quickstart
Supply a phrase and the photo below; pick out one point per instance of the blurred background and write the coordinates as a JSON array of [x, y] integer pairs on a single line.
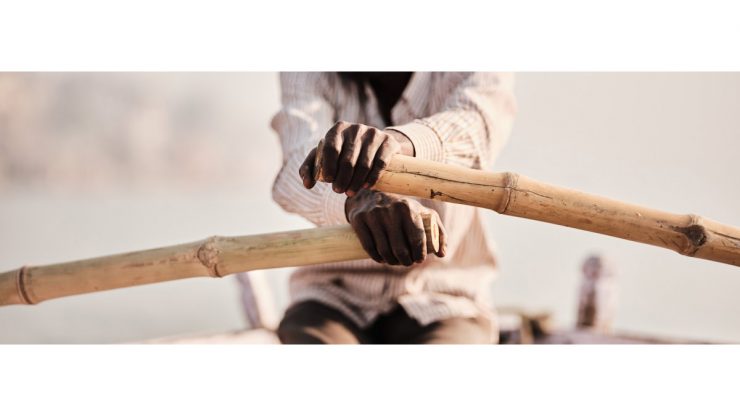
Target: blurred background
[[98, 163]]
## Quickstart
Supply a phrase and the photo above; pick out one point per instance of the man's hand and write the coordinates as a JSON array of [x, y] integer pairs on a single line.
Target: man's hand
[[354, 155], [390, 227]]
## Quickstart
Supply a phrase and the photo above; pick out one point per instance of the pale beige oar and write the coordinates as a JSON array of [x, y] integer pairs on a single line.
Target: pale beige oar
[[512, 194], [214, 256]]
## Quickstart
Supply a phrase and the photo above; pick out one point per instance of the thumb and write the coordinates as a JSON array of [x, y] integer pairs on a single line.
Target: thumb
[[306, 170], [442, 237]]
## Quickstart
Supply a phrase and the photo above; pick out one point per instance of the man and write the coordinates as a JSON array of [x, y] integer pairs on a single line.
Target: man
[[401, 295]]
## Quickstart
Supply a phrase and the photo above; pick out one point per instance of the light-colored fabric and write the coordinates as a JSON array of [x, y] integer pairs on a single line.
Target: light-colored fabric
[[456, 118]]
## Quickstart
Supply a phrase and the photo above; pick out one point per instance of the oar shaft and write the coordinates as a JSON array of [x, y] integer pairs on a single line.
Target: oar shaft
[[214, 256], [512, 194]]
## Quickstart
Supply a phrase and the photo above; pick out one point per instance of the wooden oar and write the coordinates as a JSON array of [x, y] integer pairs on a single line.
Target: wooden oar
[[506, 193], [214, 256], [512, 194]]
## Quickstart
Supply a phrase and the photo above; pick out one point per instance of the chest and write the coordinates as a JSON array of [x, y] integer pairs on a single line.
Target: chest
[[419, 99]]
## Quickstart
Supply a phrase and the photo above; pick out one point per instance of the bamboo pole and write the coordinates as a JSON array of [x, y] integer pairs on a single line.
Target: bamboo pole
[[215, 257], [513, 194]]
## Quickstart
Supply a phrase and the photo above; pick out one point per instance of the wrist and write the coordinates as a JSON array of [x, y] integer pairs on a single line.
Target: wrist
[[365, 199], [352, 201], [407, 146]]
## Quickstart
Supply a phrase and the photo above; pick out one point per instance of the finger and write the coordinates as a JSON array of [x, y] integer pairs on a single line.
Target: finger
[[331, 151], [366, 238], [348, 158], [442, 237], [413, 228], [381, 161], [306, 169], [370, 145], [382, 244], [397, 238]]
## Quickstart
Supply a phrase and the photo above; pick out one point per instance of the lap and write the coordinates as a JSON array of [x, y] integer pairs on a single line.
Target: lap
[[314, 323], [399, 328]]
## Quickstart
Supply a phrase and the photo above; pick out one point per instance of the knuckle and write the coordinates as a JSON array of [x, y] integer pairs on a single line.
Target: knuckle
[[332, 149], [329, 158], [355, 220], [377, 213], [364, 161], [373, 133], [402, 205], [354, 129], [345, 163]]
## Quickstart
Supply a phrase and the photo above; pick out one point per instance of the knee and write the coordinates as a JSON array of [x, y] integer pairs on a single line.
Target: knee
[[290, 332], [313, 323]]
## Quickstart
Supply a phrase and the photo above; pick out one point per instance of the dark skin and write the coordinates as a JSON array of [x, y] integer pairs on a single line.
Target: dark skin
[[388, 226]]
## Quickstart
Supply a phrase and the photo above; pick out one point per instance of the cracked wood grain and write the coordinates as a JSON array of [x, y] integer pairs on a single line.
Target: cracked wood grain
[[512, 194]]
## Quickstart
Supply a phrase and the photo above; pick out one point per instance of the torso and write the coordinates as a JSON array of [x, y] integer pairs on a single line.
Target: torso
[[363, 289], [388, 88]]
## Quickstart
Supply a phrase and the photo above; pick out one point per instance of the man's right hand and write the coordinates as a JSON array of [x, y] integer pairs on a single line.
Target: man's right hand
[[390, 227]]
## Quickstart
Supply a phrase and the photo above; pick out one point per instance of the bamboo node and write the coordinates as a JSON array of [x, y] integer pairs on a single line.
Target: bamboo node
[[695, 233], [208, 254], [21, 285], [511, 181]]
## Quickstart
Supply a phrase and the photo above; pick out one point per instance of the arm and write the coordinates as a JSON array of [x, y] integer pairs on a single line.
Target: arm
[[473, 124], [389, 227], [469, 130], [303, 119], [353, 156]]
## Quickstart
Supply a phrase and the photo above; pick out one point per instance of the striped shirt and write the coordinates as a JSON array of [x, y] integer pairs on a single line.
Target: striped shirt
[[457, 118]]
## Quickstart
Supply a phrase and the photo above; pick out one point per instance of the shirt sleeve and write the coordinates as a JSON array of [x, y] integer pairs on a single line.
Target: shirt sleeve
[[473, 124], [306, 115]]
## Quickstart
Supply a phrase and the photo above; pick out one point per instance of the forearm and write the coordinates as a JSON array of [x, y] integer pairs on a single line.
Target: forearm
[[407, 146], [320, 205], [304, 116], [472, 126]]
